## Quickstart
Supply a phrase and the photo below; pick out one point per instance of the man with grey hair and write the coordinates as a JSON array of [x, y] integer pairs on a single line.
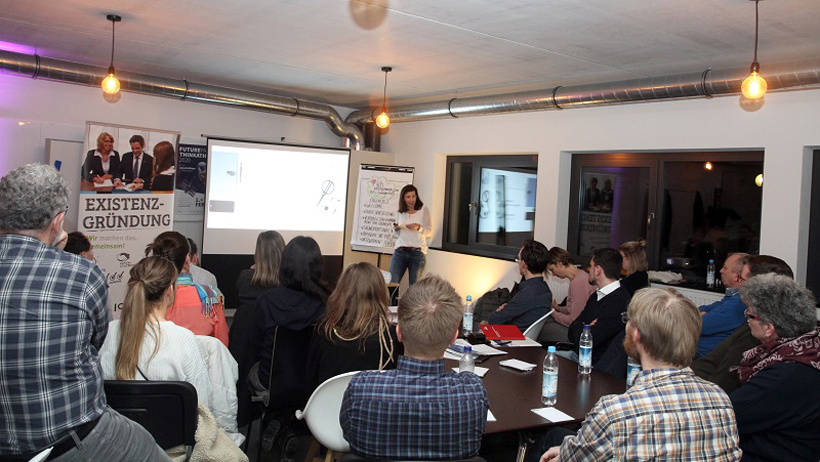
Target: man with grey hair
[[419, 411], [721, 318], [53, 321]]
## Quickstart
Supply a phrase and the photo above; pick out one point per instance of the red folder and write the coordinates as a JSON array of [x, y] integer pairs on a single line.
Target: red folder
[[501, 332]]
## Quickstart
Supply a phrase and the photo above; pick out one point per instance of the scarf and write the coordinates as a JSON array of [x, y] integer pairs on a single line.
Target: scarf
[[804, 349], [209, 296]]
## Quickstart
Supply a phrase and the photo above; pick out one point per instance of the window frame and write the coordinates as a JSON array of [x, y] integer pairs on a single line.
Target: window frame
[[656, 162], [494, 161]]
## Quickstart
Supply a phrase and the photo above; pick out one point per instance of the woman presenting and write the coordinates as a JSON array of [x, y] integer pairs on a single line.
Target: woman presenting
[[413, 229]]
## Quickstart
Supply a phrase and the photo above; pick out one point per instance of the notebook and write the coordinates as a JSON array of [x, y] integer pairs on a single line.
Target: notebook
[[501, 332]]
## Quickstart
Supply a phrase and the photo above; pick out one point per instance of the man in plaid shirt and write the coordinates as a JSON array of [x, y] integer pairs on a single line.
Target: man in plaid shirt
[[419, 411], [53, 320], [668, 414]]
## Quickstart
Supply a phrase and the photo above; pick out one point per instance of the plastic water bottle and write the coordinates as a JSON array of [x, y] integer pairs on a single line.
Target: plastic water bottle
[[467, 322], [633, 367], [549, 387], [710, 274], [467, 362], [585, 352]]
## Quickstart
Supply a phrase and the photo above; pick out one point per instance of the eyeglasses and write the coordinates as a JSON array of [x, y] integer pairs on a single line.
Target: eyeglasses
[[625, 317], [62, 211], [750, 316]]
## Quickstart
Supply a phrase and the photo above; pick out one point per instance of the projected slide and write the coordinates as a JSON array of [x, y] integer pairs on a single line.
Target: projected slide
[[257, 187], [507, 201]]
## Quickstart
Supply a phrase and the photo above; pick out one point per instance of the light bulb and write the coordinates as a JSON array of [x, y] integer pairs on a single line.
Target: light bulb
[[708, 166], [759, 180], [110, 84], [754, 87], [383, 120]]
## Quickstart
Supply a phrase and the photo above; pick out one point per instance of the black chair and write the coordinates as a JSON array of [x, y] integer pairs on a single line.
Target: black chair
[[350, 457], [168, 410], [287, 390]]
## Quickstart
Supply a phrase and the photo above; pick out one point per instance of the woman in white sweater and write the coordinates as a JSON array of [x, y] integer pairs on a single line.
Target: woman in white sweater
[[143, 345]]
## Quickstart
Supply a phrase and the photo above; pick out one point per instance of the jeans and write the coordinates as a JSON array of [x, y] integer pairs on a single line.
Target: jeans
[[115, 438], [410, 259]]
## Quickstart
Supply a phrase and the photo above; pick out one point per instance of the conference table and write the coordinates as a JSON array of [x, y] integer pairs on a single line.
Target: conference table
[[513, 394]]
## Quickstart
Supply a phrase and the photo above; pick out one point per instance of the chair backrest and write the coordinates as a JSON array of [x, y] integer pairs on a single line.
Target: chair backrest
[[288, 375], [534, 330], [355, 458], [322, 412], [168, 410]]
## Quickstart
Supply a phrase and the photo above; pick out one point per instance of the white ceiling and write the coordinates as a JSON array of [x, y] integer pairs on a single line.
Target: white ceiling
[[332, 50]]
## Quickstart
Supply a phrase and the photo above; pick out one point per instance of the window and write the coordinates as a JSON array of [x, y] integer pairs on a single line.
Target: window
[[689, 206], [489, 204]]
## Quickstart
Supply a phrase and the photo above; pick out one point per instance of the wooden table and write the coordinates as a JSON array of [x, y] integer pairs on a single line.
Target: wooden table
[[514, 394]]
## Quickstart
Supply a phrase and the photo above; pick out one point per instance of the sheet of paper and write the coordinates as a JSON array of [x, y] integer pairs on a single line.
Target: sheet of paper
[[524, 343], [490, 416], [553, 415], [479, 371], [480, 349], [104, 184], [518, 364]]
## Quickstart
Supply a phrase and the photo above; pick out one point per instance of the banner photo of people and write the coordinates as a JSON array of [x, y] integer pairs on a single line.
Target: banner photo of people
[[126, 199], [192, 169], [596, 214]]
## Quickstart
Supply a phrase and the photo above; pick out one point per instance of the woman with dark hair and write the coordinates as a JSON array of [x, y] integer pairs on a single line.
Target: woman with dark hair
[[635, 266], [197, 308], [413, 229], [355, 333], [296, 304], [778, 403], [104, 162], [162, 179], [561, 265]]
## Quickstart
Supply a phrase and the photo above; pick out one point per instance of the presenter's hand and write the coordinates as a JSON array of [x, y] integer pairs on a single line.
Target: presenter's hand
[[413, 226], [552, 454]]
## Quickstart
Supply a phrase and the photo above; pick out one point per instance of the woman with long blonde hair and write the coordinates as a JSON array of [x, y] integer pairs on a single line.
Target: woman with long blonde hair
[[355, 333]]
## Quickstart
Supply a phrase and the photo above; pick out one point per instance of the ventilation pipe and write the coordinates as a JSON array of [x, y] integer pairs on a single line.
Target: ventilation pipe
[[39, 67], [683, 86]]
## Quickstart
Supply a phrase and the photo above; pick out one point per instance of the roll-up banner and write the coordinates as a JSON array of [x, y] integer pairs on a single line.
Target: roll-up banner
[[126, 197]]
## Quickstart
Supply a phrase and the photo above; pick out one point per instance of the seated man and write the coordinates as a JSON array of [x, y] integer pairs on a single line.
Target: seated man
[[718, 366], [533, 299], [668, 414], [199, 274], [603, 309], [721, 318], [419, 411]]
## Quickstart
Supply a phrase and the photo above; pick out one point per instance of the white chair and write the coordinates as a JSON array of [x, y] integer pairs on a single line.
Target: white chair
[[322, 415], [535, 328]]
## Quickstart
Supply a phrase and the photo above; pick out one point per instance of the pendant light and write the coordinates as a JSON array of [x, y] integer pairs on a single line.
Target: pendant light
[[754, 87], [110, 84], [382, 121]]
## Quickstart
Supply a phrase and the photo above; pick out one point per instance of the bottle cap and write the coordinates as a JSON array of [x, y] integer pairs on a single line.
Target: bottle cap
[[468, 349], [469, 298], [551, 349], [586, 326], [711, 261]]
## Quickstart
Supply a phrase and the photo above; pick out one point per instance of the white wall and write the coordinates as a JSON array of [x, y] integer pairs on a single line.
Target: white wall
[[785, 127], [59, 111]]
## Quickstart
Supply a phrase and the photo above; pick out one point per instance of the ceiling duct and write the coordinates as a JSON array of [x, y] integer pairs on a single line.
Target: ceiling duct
[[40, 67], [692, 85]]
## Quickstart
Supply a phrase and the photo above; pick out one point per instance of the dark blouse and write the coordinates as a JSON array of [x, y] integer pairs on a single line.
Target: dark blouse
[[635, 282], [329, 358]]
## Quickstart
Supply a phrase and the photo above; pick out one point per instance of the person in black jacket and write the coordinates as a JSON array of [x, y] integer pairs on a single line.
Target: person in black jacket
[[534, 298], [143, 162], [604, 307], [778, 403], [104, 162], [162, 178]]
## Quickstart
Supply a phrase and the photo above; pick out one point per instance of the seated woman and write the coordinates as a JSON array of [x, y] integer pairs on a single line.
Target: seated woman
[[778, 403], [251, 284], [144, 345], [296, 304], [635, 266], [561, 265], [354, 334], [198, 308]]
